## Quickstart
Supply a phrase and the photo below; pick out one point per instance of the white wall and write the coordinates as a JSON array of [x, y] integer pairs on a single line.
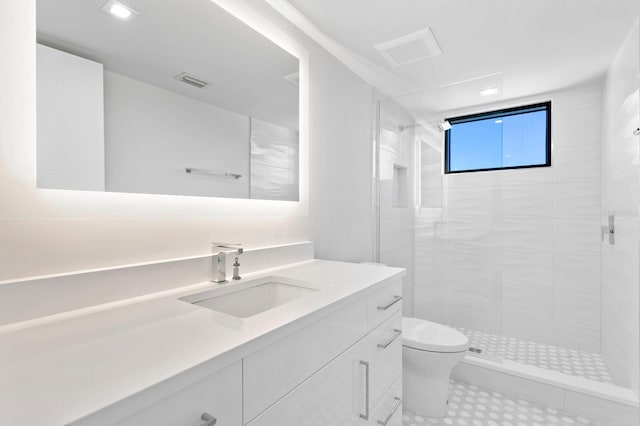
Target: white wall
[[153, 134], [620, 197], [53, 231], [340, 172], [70, 133], [517, 252]]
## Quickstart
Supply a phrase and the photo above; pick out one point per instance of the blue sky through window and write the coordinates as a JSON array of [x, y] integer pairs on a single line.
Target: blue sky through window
[[496, 142]]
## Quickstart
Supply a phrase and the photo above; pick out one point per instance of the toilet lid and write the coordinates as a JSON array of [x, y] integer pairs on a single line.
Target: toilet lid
[[431, 336]]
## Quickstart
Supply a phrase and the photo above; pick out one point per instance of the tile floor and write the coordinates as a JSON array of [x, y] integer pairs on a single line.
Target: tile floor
[[564, 360], [470, 405]]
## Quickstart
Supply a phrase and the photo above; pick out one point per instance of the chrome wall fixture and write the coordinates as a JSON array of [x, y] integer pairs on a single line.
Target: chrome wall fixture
[[442, 125], [219, 261], [609, 230], [213, 172]]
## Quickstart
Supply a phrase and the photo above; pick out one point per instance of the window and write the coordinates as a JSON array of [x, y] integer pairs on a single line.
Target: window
[[506, 139]]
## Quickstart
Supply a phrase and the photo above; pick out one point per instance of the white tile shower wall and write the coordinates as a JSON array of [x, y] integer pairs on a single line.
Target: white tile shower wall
[[274, 161], [396, 222], [517, 251], [620, 197]]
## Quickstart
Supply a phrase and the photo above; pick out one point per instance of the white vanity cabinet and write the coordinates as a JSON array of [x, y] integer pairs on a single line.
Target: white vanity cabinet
[[271, 372], [334, 395], [216, 397], [384, 303], [388, 411], [343, 368], [361, 386]]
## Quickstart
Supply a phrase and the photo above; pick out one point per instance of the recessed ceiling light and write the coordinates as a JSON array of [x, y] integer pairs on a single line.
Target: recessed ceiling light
[[119, 10], [498, 121], [488, 92]]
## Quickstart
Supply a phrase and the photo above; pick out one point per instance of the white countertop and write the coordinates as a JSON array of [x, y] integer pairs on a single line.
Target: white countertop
[[57, 373]]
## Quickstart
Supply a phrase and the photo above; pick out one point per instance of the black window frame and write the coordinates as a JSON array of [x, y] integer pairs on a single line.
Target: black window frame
[[506, 112]]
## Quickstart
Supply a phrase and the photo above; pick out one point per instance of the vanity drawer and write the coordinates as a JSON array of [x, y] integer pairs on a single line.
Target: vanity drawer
[[385, 356], [388, 411], [270, 373], [334, 396], [218, 395], [384, 303]]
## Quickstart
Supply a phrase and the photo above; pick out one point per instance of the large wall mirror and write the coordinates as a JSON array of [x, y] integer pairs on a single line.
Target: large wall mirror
[[164, 97]]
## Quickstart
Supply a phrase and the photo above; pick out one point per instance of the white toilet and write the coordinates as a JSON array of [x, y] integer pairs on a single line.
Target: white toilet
[[429, 353]]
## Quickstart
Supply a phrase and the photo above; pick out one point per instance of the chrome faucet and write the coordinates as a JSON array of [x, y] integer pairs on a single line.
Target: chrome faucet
[[219, 260]]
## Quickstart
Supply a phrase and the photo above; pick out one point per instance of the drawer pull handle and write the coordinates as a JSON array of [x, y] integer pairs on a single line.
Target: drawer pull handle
[[396, 299], [386, 421], [385, 345], [365, 416], [206, 417]]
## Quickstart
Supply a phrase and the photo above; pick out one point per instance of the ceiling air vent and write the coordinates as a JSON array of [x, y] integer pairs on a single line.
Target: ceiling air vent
[[190, 79], [410, 48]]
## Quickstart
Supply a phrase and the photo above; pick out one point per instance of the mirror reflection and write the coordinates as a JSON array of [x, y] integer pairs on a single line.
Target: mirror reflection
[[154, 97]]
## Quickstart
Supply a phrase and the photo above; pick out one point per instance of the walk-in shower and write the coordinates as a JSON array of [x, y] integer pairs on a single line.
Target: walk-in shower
[[512, 258]]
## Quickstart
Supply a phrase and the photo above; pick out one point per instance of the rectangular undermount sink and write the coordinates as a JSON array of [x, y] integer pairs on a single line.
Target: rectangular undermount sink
[[246, 301]]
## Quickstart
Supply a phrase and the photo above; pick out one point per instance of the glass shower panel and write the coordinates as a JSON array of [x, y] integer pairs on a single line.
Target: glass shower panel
[[445, 237], [396, 192], [484, 245]]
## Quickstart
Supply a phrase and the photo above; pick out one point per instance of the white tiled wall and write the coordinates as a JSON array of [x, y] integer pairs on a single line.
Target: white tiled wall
[[517, 251], [620, 196], [274, 161]]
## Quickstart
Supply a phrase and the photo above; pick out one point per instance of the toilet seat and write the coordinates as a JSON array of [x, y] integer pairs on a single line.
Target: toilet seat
[[431, 336]]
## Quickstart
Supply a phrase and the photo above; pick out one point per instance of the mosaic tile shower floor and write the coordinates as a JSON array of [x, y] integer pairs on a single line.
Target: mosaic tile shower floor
[[564, 360], [470, 405]]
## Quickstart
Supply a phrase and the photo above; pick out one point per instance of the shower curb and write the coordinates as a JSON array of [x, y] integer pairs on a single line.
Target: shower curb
[[603, 402]]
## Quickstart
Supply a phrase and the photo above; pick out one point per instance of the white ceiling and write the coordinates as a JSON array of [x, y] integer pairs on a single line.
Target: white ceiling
[[246, 70], [524, 47]]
